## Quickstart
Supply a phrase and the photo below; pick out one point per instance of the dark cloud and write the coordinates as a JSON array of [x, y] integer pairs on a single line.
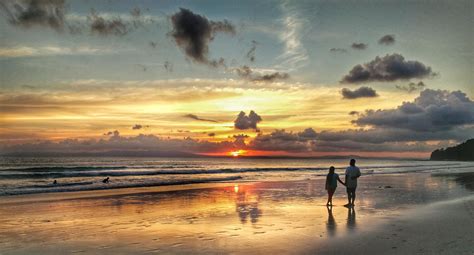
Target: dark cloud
[[136, 12], [29, 13], [243, 121], [104, 27], [353, 113], [338, 50], [387, 39], [388, 68], [211, 134], [195, 117], [359, 46], [153, 44], [280, 140], [410, 87], [193, 32], [247, 73], [358, 93], [251, 53], [432, 110], [117, 143], [137, 126], [113, 133]]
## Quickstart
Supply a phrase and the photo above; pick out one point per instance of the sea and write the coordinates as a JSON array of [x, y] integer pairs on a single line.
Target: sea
[[31, 175]]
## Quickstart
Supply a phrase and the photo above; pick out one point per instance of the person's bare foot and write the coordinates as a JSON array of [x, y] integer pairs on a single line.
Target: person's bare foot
[[347, 205]]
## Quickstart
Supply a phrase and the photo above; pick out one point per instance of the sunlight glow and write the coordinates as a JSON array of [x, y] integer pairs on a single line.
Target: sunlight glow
[[237, 153]]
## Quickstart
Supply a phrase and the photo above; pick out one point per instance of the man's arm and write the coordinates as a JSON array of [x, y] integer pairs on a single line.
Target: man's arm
[[339, 180]]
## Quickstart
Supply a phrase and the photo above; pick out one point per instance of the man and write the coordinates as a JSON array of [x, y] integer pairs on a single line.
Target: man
[[352, 173]]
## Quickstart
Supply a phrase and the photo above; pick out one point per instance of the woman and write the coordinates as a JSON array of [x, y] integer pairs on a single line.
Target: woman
[[331, 184]]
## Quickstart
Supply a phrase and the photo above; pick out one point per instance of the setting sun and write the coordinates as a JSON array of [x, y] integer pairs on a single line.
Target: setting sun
[[238, 153]]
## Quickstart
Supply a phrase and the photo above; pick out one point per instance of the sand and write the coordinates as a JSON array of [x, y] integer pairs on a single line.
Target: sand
[[395, 214]]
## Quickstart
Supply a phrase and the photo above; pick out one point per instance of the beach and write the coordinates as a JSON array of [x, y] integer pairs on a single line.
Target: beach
[[411, 213]]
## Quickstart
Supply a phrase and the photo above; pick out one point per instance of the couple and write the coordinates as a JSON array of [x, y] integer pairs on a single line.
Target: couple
[[352, 173]]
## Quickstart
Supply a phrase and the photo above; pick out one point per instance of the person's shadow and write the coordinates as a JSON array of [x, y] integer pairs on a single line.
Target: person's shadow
[[331, 223], [351, 218]]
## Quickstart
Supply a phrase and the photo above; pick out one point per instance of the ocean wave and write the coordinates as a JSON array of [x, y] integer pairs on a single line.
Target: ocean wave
[[64, 168], [95, 168], [113, 185], [117, 172]]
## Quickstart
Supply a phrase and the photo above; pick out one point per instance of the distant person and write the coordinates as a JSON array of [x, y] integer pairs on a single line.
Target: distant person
[[55, 182], [352, 173], [331, 184], [106, 180]]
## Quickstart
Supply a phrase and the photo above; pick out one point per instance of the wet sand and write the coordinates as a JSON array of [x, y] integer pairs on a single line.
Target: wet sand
[[401, 213]]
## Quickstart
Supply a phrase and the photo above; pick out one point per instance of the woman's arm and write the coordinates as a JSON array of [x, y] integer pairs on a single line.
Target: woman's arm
[[339, 180]]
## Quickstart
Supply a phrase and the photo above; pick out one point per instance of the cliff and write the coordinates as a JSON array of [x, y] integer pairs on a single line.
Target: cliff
[[461, 152]]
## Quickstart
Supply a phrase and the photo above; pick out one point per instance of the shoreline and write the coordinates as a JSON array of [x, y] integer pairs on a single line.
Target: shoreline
[[249, 217]]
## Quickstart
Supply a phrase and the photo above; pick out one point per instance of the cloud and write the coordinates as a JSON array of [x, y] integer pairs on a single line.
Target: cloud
[[387, 40], [113, 133], [410, 87], [247, 73], [338, 50], [211, 134], [193, 32], [434, 118], [294, 54], [358, 93], [432, 110], [153, 44], [30, 13], [251, 53], [140, 144], [137, 126], [388, 68], [25, 51], [104, 27], [281, 140], [195, 117], [136, 12], [353, 113], [359, 46], [243, 121]]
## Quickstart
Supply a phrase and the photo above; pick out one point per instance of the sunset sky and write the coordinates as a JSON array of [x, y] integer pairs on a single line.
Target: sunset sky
[[312, 78]]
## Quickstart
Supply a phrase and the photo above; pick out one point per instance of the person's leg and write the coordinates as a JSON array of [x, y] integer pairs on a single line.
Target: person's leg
[[330, 194], [353, 196], [348, 196]]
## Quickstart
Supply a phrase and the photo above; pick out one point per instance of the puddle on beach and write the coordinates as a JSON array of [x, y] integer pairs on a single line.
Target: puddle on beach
[[240, 217]]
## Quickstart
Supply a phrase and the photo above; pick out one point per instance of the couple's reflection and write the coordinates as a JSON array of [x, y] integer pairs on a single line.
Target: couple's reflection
[[247, 206], [331, 222]]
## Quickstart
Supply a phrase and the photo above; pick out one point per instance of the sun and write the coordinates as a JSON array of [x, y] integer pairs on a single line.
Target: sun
[[237, 153]]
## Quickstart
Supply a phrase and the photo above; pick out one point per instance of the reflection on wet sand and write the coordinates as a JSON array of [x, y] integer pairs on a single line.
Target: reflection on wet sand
[[331, 222], [213, 220], [351, 218], [246, 205]]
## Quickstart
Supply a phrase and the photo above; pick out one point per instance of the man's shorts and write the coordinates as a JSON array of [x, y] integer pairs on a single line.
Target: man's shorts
[[351, 190]]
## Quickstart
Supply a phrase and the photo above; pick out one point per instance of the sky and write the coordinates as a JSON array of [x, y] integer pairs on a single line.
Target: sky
[[298, 78]]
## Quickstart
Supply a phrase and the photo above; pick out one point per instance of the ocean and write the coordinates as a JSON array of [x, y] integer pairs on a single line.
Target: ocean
[[30, 175]]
